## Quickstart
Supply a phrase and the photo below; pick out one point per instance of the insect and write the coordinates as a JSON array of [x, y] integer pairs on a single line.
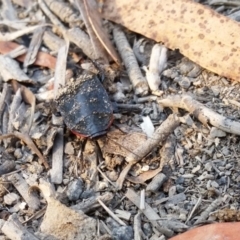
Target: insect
[[85, 106]]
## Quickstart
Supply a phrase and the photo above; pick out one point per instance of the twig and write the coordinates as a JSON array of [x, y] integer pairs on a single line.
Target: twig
[[26, 138], [159, 136], [17, 99], [142, 199], [13, 229], [202, 113], [75, 35], [57, 151], [139, 82], [157, 63], [194, 208], [92, 203], [111, 213], [104, 176], [97, 46], [21, 185], [137, 226], [204, 215], [148, 212], [36, 215]]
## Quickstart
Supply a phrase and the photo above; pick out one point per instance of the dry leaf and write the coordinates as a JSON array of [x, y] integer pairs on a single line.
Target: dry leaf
[[95, 21], [99, 51], [13, 35], [201, 34], [144, 176], [43, 59], [34, 46], [10, 69], [121, 143], [25, 138]]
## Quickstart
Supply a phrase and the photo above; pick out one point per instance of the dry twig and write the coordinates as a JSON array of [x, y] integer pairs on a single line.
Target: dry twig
[[139, 82], [202, 113]]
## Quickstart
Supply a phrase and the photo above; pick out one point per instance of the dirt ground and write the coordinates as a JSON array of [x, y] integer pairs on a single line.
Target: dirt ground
[[155, 164]]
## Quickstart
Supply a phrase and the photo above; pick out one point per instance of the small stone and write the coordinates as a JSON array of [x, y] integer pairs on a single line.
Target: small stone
[[216, 132], [75, 188], [18, 153], [69, 149], [147, 229], [111, 223], [66, 181], [22, 205], [122, 233], [228, 166], [156, 182], [214, 184], [145, 168], [180, 180], [172, 191], [181, 170], [228, 173], [88, 193], [208, 166], [101, 185], [112, 175], [180, 188], [11, 198], [185, 82], [222, 181], [27, 157], [177, 198], [215, 90], [182, 217], [196, 169]]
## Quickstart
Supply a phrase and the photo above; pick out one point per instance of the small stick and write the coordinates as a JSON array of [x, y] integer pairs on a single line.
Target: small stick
[[17, 99], [5, 95], [137, 226], [33, 48], [142, 199], [75, 35], [159, 136], [194, 209], [22, 187], [148, 212], [26, 138], [14, 229], [204, 215], [57, 158], [104, 176], [138, 81], [92, 203], [116, 218], [157, 63], [202, 113]]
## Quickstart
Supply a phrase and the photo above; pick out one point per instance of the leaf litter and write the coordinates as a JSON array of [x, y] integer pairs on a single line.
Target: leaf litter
[[125, 184]]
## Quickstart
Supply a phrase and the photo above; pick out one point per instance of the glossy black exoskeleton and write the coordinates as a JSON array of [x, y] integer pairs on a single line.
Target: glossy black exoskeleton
[[85, 106]]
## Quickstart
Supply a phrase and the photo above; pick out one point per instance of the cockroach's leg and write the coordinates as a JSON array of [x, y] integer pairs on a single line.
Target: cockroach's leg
[[98, 151]]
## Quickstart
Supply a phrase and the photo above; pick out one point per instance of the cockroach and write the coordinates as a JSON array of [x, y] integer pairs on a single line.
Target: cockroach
[[85, 106]]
